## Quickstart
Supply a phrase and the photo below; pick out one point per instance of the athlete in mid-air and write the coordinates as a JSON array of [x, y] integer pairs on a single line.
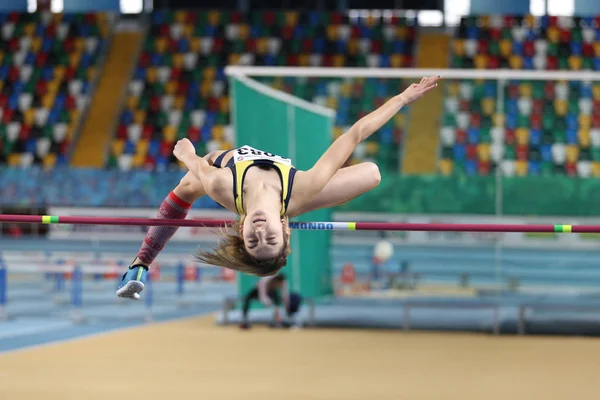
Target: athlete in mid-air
[[265, 190]]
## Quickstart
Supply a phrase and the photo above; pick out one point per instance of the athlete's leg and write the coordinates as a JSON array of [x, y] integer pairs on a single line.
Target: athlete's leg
[[175, 206], [347, 184], [252, 295]]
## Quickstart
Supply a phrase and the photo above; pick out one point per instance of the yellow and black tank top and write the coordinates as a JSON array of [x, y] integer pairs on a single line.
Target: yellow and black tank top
[[247, 157]]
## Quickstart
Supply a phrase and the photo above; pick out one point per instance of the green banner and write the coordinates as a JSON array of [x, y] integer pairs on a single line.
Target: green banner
[[285, 125], [525, 196]]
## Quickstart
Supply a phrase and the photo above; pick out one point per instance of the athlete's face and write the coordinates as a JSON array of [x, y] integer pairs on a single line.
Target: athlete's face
[[263, 234]]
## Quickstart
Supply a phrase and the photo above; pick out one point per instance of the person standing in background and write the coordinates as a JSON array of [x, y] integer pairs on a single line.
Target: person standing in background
[[271, 291]]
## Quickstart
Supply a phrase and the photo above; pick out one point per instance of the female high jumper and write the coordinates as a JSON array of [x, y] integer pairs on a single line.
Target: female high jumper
[[265, 197]]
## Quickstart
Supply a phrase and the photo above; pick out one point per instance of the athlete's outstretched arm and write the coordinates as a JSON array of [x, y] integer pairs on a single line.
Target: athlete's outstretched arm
[[315, 179]]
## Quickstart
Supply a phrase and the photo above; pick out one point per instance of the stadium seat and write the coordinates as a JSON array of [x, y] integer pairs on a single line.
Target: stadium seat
[[180, 72], [545, 127], [44, 82]]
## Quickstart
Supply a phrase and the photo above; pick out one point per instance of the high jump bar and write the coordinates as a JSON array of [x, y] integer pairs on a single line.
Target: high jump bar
[[327, 226]]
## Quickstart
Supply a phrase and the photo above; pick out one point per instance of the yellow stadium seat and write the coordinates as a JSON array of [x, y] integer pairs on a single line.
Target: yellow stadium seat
[[214, 17], [521, 168], [597, 49], [332, 32], [188, 31], [553, 34], [195, 45], [243, 31], [170, 87], [178, 60], [132, 102], [142, 147], [139, 117], [74, 59], [337, 132], [49, 160], [522, 136], [339, 60], [498, 119], [372, 148], [179, 102], [445, 166], [262, 46], [224, 104], [516, 62], [352, 47], [234, 58], [59, 72], [452, 88], [277, 84], [560, 107], [169, 133], [29, 116], [595, 168], [400, 32], [483, 151], [584, 138], [304, 60], [151, 75], [481, 61], [14, 159], [30, 29], [74, 115], [138, 160], [484, 21], [48, 101], [399, 121], [372, 20], [79, 45], [36, 44], [505, 47], [117, 147], [205, 88], [585, 122], [575, 62], [488, 106], [458, 47], [345, 89], [525, 90], [291, 18], [161, 45], [397, 60], [217, 132], [179, 17], [209, 73], [332, 102], [572, 153], [530, 21], [596, 91], [226, 145]]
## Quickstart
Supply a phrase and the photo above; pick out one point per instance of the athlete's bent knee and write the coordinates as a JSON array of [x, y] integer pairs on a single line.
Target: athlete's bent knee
[[373, 174], [189, 188]]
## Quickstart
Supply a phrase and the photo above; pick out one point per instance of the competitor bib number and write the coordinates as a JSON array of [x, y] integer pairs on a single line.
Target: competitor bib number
[[247, 153]]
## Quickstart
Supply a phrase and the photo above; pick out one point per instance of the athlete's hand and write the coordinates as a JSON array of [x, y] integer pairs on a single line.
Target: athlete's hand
[[417, 90], [184, 149]]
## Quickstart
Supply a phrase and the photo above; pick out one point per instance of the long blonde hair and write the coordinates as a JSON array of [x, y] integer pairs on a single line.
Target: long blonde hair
[[231, 253]]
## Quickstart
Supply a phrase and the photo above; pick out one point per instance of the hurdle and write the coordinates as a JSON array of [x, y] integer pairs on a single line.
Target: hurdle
[[74, 298]]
